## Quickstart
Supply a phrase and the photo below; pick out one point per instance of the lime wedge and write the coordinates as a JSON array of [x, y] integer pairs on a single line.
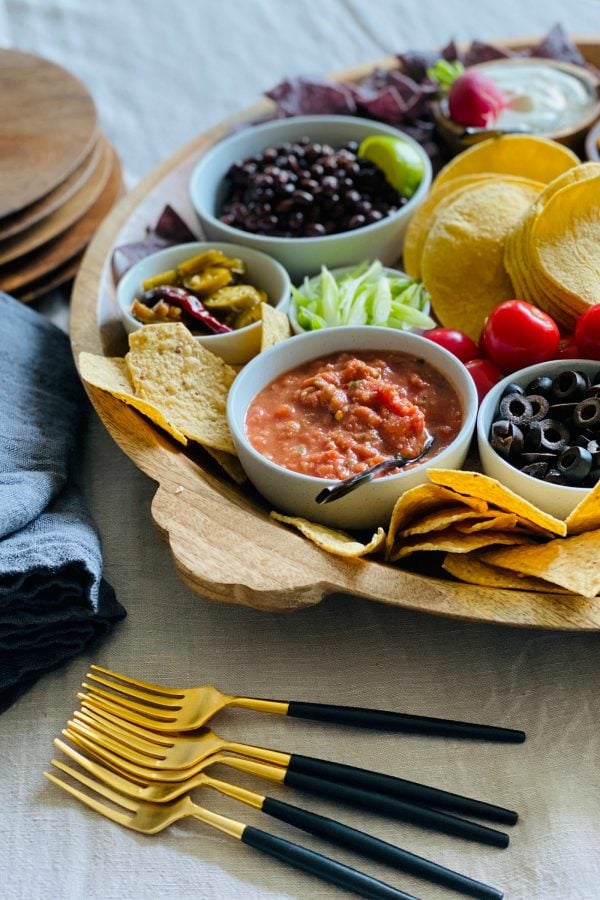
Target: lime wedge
[[399, 161]]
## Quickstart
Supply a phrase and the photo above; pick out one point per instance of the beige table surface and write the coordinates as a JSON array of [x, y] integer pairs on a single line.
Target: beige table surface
[[160, 73]]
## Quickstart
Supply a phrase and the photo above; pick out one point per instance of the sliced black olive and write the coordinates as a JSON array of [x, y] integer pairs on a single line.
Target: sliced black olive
[[562, 411], [554, 477], [528, 458], [596, 378], [539, 406], [575, 463], [593, 390], [536, 469], [594, 448], [555, 436], [592, 478], [533, 436], [512, 388], [506, 438], [587, 413], [515, 408], [569, 385], [585, 377], [542, 385]]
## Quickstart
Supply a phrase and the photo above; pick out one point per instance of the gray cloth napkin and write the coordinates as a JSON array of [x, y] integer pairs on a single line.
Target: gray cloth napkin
[[53, 599]]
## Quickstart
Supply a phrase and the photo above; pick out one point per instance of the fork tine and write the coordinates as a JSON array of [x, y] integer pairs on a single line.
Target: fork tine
[[119, 818], [99, 714], [125, 785], [103, 789], [123, 735], [149, 686], [146, 697], [121, 764], [135, 712], [114, 744]]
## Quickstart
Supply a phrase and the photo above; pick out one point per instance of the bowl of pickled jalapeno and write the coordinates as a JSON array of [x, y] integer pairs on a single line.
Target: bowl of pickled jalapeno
[[538, 432], [217, 290]]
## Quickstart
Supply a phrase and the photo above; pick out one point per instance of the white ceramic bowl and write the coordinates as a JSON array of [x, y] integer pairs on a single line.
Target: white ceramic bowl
[[293, 308], [303, 256], [556, 499], [236, 347], [371, 504]]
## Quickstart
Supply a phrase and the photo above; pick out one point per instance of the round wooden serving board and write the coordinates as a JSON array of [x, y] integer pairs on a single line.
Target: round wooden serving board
[[47, 126], [224, 545]]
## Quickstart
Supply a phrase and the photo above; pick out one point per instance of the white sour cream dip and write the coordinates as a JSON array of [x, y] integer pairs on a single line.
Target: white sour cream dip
[[542, 97]]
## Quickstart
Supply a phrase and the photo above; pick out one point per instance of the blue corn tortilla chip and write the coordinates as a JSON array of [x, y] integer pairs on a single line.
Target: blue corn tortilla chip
[[168, 231]]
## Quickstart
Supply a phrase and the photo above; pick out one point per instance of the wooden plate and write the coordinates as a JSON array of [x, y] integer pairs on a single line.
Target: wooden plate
[[58, 278], [47, 126], [66, 215], [224, 545], [40, 263], [35, 212]]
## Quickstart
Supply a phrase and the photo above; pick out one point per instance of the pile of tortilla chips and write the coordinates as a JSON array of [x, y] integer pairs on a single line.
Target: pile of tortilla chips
[[492, 229], [490, 536], [181, 386]]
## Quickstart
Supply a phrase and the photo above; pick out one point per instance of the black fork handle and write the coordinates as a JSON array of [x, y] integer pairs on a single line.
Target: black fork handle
[[322, 866], [395, 721], [392, 786], [373, 847], [422, 816]]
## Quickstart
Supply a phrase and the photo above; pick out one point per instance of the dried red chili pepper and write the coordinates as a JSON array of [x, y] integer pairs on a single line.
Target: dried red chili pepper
[[188, 303]]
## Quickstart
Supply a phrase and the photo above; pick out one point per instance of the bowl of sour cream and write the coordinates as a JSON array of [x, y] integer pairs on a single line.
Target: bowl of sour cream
[[544, 97]]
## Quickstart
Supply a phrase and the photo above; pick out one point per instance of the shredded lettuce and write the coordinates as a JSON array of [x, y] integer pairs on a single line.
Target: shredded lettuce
[[366, 295]]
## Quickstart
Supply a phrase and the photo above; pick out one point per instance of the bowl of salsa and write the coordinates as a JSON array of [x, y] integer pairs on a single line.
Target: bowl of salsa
[[326, 405]]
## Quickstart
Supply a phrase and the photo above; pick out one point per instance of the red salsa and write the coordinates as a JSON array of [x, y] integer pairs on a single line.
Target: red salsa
[[335, 416]]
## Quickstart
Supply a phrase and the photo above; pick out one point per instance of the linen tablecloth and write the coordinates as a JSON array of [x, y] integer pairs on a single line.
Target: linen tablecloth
[[160, 74]]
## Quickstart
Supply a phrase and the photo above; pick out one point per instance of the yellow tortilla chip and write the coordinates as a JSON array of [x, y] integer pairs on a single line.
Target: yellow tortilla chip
[[453, 541], [456, 516], [511, 154], [469, 568], [496, 521], [586, 515], [422, 499], [187, 382], [422, 219], [229, 464], [474, 484], [462, 263], [571, 563], [275, 326], [336, 542], [112, 374]]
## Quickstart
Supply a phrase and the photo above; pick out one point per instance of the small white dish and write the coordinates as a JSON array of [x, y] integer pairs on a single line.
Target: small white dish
[[371, 504], [235, 347], [303, 256], [556, 499]]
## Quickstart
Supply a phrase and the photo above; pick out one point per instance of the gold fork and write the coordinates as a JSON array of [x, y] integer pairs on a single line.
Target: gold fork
[[313, 823], [105, 743], [298, 765], [172, 709], [151, 818]]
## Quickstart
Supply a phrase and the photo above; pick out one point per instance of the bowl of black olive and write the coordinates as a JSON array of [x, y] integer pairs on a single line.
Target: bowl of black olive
[[538, 432], [303, 191]]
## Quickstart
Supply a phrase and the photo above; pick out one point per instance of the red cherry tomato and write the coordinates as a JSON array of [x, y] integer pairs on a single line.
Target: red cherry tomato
[[517, 334], [456, 342], [587, 333], [485, 375]]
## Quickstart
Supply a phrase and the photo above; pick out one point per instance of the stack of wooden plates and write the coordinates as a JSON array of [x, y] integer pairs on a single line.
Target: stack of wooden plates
[[59, 176]]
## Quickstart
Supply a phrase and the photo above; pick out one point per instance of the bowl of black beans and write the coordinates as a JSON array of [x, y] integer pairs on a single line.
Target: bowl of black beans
[[299, 190], [538, 432]]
